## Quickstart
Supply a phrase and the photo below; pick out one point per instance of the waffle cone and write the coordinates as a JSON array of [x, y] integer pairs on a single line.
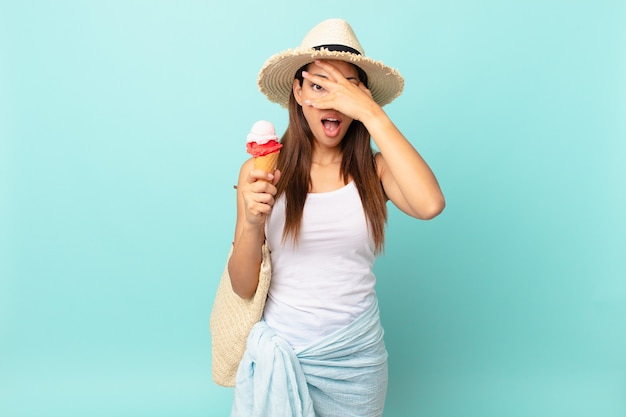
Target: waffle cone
[[267, 162]]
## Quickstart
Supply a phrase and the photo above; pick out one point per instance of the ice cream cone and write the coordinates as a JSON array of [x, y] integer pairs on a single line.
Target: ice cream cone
[[267, 162], [262, 143]]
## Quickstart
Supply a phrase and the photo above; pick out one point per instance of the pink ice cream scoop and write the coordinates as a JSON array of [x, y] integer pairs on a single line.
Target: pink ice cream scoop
[[263, 145], [262, 139]]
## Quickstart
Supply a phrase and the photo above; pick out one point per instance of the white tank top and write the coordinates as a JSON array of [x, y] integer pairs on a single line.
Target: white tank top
[[325, 281]]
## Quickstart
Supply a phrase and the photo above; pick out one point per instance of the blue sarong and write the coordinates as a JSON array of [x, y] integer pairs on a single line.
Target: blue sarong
[[343, 374]]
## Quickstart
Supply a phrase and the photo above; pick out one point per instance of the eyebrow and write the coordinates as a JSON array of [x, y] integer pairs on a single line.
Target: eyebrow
[[347, 78]]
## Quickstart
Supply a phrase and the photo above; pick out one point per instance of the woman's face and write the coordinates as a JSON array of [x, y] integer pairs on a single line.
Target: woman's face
[[328, 126]]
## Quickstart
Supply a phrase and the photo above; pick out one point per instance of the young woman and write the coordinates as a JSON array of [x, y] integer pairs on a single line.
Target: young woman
[[319, 349]]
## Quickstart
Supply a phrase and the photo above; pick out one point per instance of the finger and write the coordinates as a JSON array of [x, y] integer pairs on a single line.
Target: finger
[[332, 70], [258, 174], [366, 90], [263, 199], [258, 211], [276, 177], [258, 204], [320, 103]]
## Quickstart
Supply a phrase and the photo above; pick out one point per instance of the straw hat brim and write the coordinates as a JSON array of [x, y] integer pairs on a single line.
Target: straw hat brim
[[276, 77]]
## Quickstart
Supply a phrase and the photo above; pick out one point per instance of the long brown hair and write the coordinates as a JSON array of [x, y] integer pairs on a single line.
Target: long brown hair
[[358, 163]]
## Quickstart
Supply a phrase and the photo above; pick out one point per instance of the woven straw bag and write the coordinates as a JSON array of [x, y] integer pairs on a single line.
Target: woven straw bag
[[232, 317]]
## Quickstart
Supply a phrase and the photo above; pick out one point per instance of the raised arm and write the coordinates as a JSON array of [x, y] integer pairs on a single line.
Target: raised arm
[[407, 179]]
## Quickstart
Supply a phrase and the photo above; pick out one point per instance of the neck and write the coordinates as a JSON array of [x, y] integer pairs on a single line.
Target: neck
[[326, 163], [324, 159]]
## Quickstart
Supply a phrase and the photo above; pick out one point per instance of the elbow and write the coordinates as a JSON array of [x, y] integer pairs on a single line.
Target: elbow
[[239, 285], [434, 209], [243, 293]]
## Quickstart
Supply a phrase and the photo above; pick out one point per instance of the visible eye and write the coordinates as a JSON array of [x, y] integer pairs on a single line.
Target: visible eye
[[317, 87]]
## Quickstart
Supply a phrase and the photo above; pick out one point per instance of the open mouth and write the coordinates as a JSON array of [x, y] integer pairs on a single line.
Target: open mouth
[[331, 126]]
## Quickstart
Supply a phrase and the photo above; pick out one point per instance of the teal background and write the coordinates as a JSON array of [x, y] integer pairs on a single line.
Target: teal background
[[122, 128]]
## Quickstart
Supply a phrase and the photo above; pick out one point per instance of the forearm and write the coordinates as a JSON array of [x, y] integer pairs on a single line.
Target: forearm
[[245, 261]]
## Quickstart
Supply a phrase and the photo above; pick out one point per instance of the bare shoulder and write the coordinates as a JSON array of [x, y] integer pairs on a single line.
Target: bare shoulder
[[246, 167], [248, 164]]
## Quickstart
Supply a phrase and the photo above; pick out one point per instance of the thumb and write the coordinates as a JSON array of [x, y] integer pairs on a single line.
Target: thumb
[[276, 177]]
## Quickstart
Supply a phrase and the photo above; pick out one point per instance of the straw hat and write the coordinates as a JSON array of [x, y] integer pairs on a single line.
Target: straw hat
[[330, 39]]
